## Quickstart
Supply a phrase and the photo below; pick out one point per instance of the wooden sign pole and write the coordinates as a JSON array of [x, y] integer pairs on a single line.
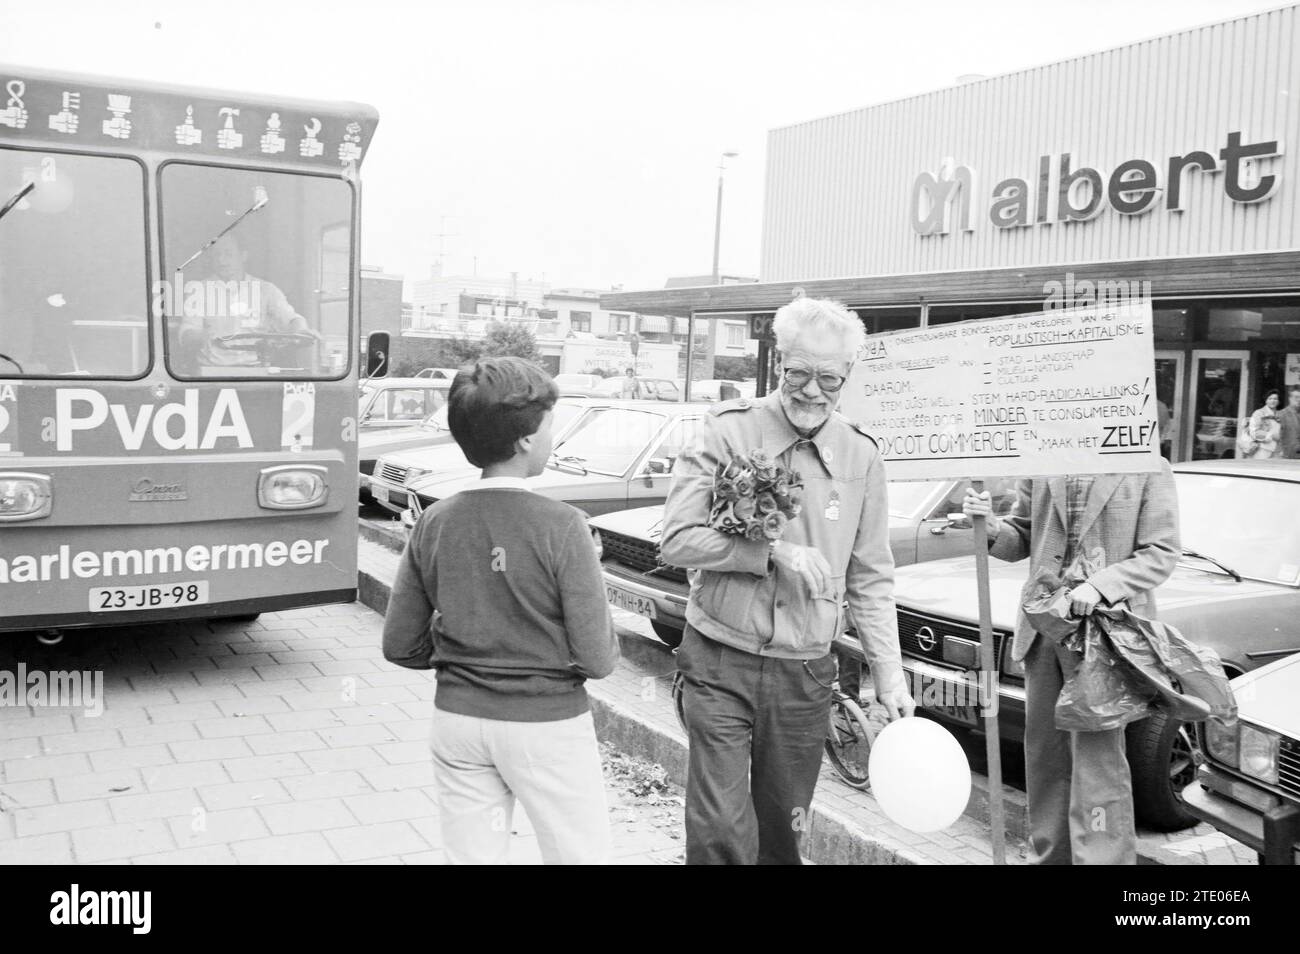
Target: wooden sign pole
[[989, 679]]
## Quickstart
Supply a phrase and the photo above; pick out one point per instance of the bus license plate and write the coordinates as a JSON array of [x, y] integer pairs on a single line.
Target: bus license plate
[[112, 599], [630, 602]]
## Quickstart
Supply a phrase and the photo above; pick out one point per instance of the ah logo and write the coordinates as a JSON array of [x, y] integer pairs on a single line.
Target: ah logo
[[934, 198]]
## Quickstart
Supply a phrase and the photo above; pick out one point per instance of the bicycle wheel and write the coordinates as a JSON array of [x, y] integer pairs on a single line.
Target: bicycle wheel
[[678, 707], [848, 741]]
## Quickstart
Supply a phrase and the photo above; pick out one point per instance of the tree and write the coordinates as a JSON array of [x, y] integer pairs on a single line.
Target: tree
[[735, 369], [509, 339]]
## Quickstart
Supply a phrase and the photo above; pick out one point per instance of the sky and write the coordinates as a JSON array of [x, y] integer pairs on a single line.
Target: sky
[[576, 141]]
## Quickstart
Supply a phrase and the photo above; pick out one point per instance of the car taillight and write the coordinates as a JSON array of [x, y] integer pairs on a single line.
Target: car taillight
[[292, 487], [24, 496]]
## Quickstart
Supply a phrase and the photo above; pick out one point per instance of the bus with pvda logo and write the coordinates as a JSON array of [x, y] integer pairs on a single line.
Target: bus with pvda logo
[[178, 382]]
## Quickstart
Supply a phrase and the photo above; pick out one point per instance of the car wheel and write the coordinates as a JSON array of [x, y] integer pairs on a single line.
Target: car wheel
[[668, 635], [1161, 755]]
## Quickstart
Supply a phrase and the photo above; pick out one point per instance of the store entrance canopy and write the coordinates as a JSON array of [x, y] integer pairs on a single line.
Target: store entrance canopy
[[1243, 273]]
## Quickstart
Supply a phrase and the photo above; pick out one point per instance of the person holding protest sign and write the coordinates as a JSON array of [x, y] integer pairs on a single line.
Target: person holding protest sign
[[765, 606], [1125, 528]]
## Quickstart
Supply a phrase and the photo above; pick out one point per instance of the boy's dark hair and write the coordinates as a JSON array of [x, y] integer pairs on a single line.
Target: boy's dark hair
[[496, 402]]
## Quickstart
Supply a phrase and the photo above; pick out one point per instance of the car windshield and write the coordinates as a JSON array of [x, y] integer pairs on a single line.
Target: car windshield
[[1246, 523], [74, 297], [907, 498], [255, 273], [609, 440]]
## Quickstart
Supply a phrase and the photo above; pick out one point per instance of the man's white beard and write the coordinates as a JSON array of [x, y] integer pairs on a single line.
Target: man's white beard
[[804, 419]]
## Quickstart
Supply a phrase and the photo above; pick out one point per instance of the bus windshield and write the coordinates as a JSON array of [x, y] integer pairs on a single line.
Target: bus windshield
[[74, 295], [256, 268]]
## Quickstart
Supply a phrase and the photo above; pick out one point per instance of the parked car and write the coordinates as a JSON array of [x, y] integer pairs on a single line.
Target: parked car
[[1249, 785], [649, 389], [394, 472], [714, 390], [1236, 589], [438, 373], [372, 445], [919, 529], [579, 385], [621, 456], [386, 403]]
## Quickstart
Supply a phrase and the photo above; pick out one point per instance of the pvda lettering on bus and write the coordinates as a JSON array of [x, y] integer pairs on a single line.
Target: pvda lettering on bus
[[225, 420]]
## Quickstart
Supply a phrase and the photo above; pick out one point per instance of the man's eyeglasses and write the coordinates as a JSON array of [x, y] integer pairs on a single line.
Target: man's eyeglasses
[[799, 378]]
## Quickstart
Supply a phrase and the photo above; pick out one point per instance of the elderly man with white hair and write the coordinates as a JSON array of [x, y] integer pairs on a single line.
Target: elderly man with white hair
[[756, 655]]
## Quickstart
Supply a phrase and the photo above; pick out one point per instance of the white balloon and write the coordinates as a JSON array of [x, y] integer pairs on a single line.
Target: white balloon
[[919, 774]]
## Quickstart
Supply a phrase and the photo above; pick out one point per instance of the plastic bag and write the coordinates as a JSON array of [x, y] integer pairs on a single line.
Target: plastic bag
[[1187, 679], [1047, 607], [1101, 693], [1046, 603]]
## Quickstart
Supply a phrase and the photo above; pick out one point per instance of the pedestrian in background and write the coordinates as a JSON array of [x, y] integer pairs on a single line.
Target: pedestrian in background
[[1288, 419], [1263, 431], [499, 590], [1078, 785]]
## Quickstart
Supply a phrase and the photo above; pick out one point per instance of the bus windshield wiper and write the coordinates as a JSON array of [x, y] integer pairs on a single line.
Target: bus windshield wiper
[[1209, 559], [16, 198]]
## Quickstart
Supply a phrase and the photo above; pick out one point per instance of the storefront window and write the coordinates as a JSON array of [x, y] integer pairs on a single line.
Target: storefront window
[[880, 320]]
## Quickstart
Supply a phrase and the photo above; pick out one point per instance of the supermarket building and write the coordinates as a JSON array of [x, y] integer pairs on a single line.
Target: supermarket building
[[1156, 169]]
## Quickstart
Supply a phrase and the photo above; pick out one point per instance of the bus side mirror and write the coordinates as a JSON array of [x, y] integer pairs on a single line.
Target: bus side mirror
[[377, 354]]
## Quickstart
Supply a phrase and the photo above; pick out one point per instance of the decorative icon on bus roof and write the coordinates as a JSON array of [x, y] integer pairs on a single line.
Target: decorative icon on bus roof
[[15, 112], [350, 147], [272, 142], [119, 127], [228, 137], [311, 147], [187, 134], [67, 120]]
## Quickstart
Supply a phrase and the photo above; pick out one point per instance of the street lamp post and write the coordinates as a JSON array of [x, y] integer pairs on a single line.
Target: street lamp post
[[717, 220], [712, 337]]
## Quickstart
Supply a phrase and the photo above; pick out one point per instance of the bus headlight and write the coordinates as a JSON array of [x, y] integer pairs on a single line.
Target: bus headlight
[[292, 487], [24, 496], [1259, 754]]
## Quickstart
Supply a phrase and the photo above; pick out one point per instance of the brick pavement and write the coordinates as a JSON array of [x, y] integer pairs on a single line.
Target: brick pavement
[[285, 740]]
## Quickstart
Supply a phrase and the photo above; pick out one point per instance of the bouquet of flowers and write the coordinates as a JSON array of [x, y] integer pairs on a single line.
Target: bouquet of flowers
[[755, 497]]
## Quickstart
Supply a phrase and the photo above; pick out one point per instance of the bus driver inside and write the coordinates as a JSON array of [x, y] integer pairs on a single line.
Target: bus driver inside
[[241, 320]]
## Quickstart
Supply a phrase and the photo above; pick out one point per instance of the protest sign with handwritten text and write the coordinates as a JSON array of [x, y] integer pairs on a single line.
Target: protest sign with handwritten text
[[1041, 394]]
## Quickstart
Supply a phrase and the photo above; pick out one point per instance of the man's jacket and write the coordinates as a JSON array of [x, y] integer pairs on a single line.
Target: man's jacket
[[1129, 529], [736, 598]]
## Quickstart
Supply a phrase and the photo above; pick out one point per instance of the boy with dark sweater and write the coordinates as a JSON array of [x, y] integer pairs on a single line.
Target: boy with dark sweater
[[499, 590]]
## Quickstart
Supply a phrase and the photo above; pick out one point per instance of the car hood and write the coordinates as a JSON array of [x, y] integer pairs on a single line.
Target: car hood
[[550, 483], [442, 459], [644, 523], [372, 443], [947, 588], [1267, 696]]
